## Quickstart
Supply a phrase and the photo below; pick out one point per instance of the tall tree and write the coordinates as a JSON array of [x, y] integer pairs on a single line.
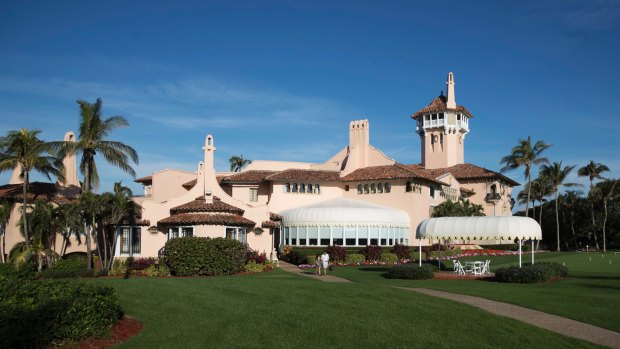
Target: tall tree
[[92, 140], [23, 148], [238, 162], [593, 171], [120, 189], [461, 208], [570, 201], [68, 222], [607, 196], [525, 155], [119, 209], [5, 215], [556, 175]]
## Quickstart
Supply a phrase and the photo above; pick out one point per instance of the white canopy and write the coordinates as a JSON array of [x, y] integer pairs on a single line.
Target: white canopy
[[343, 211], [480, 228]]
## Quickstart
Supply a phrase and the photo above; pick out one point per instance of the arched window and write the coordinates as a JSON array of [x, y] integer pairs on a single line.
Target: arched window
[[373, 188], [366, 189], [302, 188], [294, 187], [380, 187], [317, 189], [310, 187], [388, 187], [432, 189], [359, 188], [287, 187], [408, 187]]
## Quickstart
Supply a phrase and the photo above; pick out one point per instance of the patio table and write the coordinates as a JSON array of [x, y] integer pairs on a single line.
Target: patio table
[[474, 267]]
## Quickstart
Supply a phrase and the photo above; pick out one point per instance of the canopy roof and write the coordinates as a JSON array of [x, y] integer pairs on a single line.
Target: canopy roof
[[344, 211], [480, 228]]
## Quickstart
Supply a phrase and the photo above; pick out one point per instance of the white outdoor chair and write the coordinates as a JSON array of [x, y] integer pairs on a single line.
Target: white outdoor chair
[[477, 268], [486, 267], [458, 268]]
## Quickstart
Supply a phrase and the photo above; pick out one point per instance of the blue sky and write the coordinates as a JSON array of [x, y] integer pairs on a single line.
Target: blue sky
[[282, 80]]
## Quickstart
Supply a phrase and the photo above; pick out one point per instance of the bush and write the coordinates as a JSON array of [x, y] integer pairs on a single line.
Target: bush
[[311, 259], [64, 274], [529, 273], [401, 251], [389, 258], [141, 263], [120, 267], [253, 267], [337, 253], [74, 262], [35, 313], [445, 253], [8, 271], [295, 257], [156, 270], [410, 272], [372, 252], [355, 258], [188, 256]]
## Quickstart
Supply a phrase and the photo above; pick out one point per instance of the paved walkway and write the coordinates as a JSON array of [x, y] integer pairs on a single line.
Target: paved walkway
[[567, 327], [295, 270]]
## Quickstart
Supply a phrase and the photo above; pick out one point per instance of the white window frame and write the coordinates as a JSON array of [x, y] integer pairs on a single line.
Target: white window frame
[[239, 234], [130, 244], [179, 231], [253, 194]]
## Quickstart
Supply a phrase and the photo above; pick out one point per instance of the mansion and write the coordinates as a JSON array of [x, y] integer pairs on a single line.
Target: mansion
[[357, 197]]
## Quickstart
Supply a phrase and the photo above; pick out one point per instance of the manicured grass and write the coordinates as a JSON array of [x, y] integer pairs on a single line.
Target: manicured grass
[[590, 294], [282, 310]]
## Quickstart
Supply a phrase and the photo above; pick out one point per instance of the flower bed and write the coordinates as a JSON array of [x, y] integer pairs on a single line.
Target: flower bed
[[485, 252], [366, 263]]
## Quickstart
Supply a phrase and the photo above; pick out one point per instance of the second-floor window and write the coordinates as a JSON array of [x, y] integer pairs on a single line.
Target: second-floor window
[[253, 194]]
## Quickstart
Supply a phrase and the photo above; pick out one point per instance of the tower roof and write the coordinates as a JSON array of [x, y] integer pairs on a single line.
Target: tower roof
[[438, 105]]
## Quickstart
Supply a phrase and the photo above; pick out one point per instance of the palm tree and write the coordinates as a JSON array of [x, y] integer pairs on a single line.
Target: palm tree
[[43, 233], [462, 208], [23, 148], [5, 214], [593, 171], [90, 209], [238, 162], [525, 155], [68, 222], [606, 198], [556, 175], [119, 209], [571, 199], [120, 189]]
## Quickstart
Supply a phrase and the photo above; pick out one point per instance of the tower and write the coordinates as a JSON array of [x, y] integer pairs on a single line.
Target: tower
[[442, 127]]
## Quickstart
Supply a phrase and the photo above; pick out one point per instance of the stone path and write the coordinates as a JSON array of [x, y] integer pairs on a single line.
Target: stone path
[[561, 325], [295, 270]]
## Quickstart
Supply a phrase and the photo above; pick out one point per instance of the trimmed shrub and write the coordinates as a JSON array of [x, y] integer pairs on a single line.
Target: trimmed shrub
[[64, 274], [355, 258], [295, 257], [409, 272], [445, 253], [189, 256], [336, 253], [8, 271], [434, 265], [72, 262], [389, 258], [141, 263], [253, 267], [372, 252], [156, 270], [311, 260], [35, 313], [401, 251], [529, 273], [120, 267]]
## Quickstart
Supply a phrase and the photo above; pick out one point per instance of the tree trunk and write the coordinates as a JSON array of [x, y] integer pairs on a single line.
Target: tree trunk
[[529, 189], [113, 251], [572, 226], [104, 261], [534, 209], [2, 247], [604, 224], [89, 257], [96, 235], [25, 209], [63, 249], [540, 209], [592, 212], [557, 220]]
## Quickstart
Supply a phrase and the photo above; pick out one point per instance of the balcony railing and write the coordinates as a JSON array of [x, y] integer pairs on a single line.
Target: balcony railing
[[493, 197]]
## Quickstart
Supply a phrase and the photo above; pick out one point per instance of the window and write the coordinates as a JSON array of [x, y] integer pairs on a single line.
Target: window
[[373, 188], [287, 187], [380, 188], [388, 187], [359, 189], [366, 189], [302, 188], [130, 240], [253, 194], [235, 233], [317, 189], [310, 189], [432, 192], [408, 187], [346, 187], [179, 232], [294, 187]]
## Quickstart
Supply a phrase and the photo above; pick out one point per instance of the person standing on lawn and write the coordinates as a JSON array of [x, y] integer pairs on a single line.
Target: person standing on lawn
[[318, 262], [325, 260]]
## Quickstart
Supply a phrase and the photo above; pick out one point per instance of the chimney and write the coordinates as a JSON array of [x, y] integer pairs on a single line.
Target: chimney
[[70, 167]]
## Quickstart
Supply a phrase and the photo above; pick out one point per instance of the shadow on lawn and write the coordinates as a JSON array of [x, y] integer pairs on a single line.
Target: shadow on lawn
[[375, 269]]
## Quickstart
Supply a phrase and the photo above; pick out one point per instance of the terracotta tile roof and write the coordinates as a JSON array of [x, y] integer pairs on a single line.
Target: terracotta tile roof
[[138, 222], [395, 171], [274, 216], [253, 176], [189, 185], [144, 180], [207, 219], [468, 171], [467, 191], [270, 224], [199, 205], [306, 175], [39, 190], [438, 105]]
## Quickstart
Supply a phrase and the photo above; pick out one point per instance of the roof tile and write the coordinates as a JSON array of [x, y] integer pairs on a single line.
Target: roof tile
[[207, 219], [306, 175], [439, 104]]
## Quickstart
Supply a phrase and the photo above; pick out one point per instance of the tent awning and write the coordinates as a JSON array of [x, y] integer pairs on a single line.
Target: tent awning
[[479, 228]]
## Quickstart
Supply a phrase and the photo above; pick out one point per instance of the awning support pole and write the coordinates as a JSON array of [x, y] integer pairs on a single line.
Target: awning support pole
[[532, 252], [420, 252], [520, 253]]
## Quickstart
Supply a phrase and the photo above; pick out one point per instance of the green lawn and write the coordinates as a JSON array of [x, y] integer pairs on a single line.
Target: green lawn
[[282, 310], [591, 294]]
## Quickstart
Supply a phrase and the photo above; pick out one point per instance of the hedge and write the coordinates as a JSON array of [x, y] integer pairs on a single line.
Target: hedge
[[402, 251], [529, 273], [190, 256], [389, 258], [355, 258], [410, 272], [8, 272], [372, 252], [33, 314]]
